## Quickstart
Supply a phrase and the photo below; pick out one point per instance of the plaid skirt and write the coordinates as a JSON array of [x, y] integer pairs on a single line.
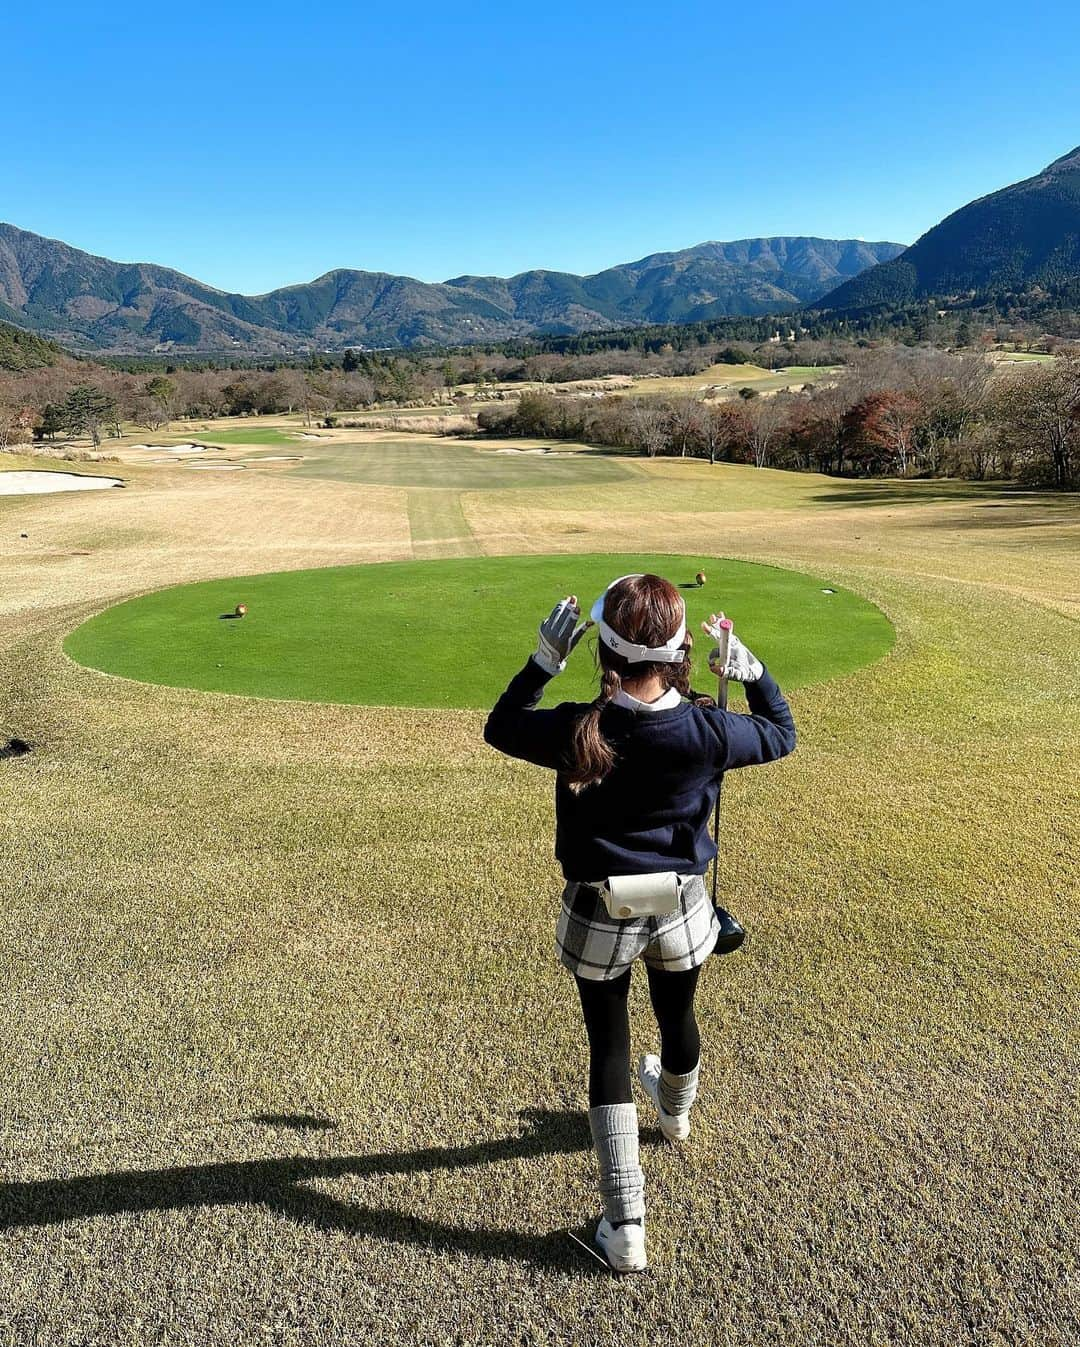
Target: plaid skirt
[[593, 945]]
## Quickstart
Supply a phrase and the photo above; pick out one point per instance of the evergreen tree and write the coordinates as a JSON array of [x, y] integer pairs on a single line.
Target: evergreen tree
[[86, 409]]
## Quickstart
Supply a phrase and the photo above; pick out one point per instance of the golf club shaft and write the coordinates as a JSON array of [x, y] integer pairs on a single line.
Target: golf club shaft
[[724, 646]]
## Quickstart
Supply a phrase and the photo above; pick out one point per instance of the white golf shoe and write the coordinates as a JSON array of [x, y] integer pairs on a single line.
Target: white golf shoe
[[675, 1126], [622, 1246]]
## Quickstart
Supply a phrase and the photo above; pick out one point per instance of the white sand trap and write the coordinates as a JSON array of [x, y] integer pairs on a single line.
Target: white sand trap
[[33, 483], [305, 436], [191, 448], [276, 458], [544, 453]]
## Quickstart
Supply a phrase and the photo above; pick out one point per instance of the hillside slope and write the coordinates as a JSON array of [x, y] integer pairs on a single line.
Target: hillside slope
[[1023, 235], [92, 302], [22, 350]]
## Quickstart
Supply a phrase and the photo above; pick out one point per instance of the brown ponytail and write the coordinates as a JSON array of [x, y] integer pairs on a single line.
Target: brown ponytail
[[647, 610], [592, 755]]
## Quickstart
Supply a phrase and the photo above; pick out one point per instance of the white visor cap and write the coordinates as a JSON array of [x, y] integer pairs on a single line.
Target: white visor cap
[[671, 652]]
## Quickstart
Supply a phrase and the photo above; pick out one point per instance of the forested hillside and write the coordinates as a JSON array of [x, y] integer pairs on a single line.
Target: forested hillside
[[1024, 236], [22, 350], [92, 303]]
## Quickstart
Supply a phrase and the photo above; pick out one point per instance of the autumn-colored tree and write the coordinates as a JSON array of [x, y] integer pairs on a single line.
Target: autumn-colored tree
[[878, 431]]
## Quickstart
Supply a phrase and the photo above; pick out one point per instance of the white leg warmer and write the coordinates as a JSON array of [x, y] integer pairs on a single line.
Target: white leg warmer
[[622, 1184], [677, 1093]]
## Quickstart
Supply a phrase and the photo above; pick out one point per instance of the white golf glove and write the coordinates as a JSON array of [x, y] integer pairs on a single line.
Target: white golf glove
[[559, 633], [741, 666]]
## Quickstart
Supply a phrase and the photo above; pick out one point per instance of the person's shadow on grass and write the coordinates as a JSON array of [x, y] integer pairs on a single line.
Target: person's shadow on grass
[[280, 1185]]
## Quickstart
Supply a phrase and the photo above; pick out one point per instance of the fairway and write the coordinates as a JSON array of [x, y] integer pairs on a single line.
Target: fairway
[[726, 380], [448, 463], [451, 632]]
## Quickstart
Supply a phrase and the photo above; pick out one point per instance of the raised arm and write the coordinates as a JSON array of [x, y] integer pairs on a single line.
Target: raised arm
[[765, 734], [768, 732], [515, 727]]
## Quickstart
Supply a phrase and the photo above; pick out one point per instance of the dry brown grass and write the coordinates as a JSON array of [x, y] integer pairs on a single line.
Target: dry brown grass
[[219, 910], [171, 524]]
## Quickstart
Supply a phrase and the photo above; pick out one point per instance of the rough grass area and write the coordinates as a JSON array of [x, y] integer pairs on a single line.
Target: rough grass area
[[452, 631], [450, 463], [287, 1057]]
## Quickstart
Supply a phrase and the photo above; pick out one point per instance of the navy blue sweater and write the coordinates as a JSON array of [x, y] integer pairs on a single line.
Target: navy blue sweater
[[651, 812]]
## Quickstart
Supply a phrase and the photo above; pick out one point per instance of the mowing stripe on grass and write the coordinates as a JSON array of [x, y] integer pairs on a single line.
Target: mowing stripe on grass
[[458, 465], [438, 525]]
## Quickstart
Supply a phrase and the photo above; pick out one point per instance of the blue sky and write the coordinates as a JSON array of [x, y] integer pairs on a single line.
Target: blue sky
[[254, 146]]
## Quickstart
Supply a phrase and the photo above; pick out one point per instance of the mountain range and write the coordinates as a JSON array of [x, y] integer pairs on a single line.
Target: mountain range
[[1017, 239], [1021, 236], [94, 304]]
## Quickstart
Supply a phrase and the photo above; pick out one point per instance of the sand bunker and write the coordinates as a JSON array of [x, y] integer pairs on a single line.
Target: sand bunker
[[215, 467], [544, 453], [276, 458], [33, 483], [191, 448]]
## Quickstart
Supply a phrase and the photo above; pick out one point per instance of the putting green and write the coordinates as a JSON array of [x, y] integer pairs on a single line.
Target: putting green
[[450, 633], [256, 435]]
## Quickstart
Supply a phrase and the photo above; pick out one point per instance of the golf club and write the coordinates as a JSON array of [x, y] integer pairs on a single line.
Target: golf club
[[731, 934]]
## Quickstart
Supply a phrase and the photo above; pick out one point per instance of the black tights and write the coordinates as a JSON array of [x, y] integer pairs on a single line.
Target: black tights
[[607, 1022]]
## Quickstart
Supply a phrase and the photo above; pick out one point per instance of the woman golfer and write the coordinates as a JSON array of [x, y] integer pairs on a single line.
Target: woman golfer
[[637, 774]]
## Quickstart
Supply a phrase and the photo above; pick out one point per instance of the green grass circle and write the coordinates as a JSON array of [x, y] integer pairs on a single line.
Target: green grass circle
[[451, 633]]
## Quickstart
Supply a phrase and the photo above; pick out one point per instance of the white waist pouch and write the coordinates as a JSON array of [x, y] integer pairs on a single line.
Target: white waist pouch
[[628, 896]]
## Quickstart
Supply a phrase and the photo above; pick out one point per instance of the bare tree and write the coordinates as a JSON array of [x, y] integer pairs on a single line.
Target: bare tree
[[649, 427], [684, 418], [723, 425], [357, 390], [1040, 416], [147, 412], [765, 418], [315, 399], [15, 423]]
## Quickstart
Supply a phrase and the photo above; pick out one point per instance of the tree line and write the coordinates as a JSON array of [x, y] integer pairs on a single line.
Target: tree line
[[889, 411], [75, 398], [899, 412]]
